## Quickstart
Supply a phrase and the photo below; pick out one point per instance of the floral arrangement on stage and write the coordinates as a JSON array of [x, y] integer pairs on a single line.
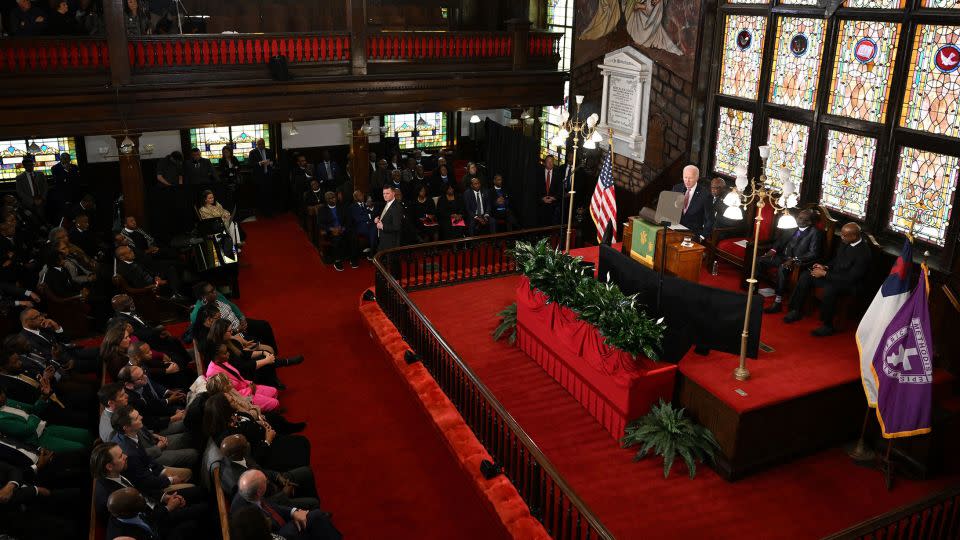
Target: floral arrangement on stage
[[668, 432], [508, 324], [614, 314]]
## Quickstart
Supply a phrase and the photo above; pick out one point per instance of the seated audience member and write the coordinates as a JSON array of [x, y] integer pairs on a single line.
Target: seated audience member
[[220, 384], [800, 248], [26, 512], [171, 451], [82, 269], [334, 221], [18, 261], [13, 298], [57, 279], [132, 517], [159, 406], [82, 237], [139, 277], [199, 170], [252, 329], [27, 20], [313, 198], [158, 365], [424, 216], [476, 202], [143, 243], [145, 473], [211, 209], [440, 180], [302, 175], [76, 392], [157, 336], [136, 19], [843, 276], [250, 524], [715, 210], [56, 475], [43, 338], [108, 463], [26, 389], [20, 421], [289, 522], [218, 357], [471, 173], [200, 327], [256, 365], [273, 450], [90, 18], [501, 204], [450, 214], [396, 181], [295, 487]]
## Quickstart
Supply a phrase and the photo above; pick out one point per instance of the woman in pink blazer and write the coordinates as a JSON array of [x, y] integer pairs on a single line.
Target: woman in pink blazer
[[264, 397]]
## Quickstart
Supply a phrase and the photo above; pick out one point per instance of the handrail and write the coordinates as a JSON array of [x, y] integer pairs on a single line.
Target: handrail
[[52, 54], [426, 45], [190, 50], [551, 500], [936, 517]]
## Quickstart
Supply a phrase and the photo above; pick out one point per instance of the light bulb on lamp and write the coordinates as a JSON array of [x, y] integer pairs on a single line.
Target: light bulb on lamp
[[126, 146], [741, 174], [563, 134], [733, 212], [589, 145], [597, 137], [786, 181], [764, 152], [787, 221], [731, 199], [564, 116], [579, 100], [592, 120], [474, 119]]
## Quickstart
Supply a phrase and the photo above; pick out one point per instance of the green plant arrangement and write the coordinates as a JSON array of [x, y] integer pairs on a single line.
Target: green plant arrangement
[[614, 314], [508, 324], [668, 432]]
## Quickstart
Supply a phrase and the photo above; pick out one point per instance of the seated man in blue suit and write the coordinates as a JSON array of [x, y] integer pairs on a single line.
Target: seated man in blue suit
[[289, 522], [696, 202], [479, 206]]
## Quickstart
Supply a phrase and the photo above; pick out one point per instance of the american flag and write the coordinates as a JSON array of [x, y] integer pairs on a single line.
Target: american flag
[[603, 206]]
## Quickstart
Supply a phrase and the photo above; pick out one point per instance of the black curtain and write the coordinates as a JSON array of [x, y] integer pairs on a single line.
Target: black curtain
[[517, 158], [694, 314]]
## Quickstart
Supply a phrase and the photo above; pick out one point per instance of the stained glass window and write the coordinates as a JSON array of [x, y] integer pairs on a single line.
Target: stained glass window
[[788, 148], [46, 151], [733, 140], [847, 169], [942, 4], [748, 1], [875, 4], [742, 55], [924, 193], [560, 20], [933, 88], [799, 2], [796, 63], [211, 140], [862, 69], [417, 130]]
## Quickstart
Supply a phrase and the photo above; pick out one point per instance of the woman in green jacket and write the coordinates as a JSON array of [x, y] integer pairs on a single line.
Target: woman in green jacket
[[19, 420]]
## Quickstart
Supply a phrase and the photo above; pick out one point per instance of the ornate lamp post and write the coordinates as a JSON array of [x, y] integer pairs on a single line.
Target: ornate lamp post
[[762, 194], [577, 130]]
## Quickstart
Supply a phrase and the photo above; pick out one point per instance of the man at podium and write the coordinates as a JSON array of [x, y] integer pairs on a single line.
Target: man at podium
[[696, 201]]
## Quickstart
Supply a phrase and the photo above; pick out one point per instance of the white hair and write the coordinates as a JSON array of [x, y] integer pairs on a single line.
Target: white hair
[[695, 169]]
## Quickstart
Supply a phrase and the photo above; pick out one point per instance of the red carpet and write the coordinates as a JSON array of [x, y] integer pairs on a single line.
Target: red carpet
[[808, 498], [379, 463]]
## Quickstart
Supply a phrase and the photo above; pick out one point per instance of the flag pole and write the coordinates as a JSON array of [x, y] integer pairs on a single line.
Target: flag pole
[[888, 470], [610, 142], [861, 452]]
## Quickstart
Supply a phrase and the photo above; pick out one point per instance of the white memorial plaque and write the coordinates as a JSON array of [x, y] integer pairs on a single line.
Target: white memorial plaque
[[626, 101]]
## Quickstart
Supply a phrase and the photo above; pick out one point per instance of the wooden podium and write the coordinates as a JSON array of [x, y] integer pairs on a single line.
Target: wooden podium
[[681, 261]]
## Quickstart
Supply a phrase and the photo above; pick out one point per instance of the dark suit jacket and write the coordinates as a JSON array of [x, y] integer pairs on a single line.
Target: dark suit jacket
[[321, 171], [41, 345], [556, 183], [101, 493], [156, 412], [135, 275], [470, 203], [850, 265], [806, 246], [392, 230], [230, 472], [255, 157], [201, 172], [141, 328], [696, 217], [59, 282], [142, 471], [239, 503], [154, 519], [85, 240], [325, 217]]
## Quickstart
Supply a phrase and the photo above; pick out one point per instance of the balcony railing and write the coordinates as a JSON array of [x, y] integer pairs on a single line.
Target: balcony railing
[[157, 52], [550, 499]]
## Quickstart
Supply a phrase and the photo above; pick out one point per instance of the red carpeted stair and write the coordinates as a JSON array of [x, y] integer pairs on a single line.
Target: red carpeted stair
[[808, 498], [379, 463]]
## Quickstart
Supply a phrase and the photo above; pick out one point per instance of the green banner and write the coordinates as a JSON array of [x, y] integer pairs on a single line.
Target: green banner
[[644, 242]]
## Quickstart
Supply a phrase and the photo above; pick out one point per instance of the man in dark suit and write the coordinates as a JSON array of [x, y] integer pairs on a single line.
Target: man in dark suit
[[362, 213], [57, 279], [261, 164], [843, 276], [131, 516], [29, 512], [479, 206], [549, 184], [139, 277], [295, 487], [390, 221], [145, 473], [696, 202], [157, 405], [156, 335], [43, 337], [334, 221], [799, 248], [328, 172], [302, 175], [715, 219], [199, 170], [289, 522]]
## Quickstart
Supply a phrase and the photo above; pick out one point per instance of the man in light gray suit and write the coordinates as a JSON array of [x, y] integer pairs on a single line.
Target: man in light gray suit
[[31, 186]]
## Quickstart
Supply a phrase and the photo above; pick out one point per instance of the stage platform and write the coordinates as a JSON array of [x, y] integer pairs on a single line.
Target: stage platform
[[807, 498]]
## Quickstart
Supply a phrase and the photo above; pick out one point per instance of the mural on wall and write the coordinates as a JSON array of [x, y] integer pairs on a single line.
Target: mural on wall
[[665, 30]]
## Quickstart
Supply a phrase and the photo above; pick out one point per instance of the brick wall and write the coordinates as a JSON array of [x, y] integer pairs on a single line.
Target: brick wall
[[668, 129]]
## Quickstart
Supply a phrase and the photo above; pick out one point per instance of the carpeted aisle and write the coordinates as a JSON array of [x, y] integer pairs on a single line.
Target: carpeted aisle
[[380, 465], [808, 498]]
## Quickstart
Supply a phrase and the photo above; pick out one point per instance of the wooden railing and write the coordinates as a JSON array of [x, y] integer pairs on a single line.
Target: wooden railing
[[550, 499], [936, 517], [51, 54], [438, 45], [235, 49]]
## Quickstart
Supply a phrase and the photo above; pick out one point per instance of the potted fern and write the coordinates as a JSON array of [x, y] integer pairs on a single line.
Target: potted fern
[[508, 324], [668, 432]]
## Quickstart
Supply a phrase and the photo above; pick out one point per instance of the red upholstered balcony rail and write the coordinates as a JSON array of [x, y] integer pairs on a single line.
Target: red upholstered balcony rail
[[236, 49], [46, 55], [544, 44], [437, 45]]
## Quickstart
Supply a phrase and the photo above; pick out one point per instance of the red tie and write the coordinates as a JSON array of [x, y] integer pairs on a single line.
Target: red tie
[[549, 172], [686, 201], [273, 514]]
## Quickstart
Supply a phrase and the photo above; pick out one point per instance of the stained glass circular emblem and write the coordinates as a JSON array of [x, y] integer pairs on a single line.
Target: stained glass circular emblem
[[865, 50], [798, 45], [744, 38], [947, 58]]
